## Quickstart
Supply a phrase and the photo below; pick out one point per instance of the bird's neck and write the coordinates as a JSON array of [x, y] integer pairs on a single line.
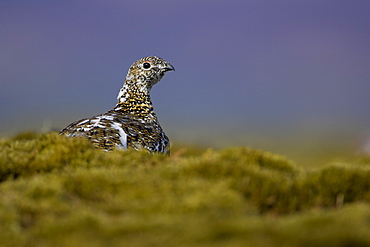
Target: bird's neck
[[134, 99]]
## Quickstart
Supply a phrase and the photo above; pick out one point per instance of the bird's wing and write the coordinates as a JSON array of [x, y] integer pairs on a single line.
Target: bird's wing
[[112, 129]]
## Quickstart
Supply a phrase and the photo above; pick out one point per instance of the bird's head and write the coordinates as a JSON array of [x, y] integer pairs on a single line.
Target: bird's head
[[148, 71]]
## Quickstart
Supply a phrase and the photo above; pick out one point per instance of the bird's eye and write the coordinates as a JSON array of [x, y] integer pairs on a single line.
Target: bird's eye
[[146, 65]]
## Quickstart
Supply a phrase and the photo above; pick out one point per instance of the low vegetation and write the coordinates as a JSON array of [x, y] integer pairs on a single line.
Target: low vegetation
[[58, 191]]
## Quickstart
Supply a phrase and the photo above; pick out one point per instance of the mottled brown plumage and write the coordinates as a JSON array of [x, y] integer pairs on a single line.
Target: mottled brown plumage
[[132, 123]]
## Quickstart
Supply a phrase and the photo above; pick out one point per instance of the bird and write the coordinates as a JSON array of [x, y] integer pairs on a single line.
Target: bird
[[132, 123]]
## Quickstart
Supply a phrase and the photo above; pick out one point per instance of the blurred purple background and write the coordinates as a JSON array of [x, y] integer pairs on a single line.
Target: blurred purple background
[[247, 72]]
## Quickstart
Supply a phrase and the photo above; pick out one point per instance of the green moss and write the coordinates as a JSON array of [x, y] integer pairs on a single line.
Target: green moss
[[61, 191]]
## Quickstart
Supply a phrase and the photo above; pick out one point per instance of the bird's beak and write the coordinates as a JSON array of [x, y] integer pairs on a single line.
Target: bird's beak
[[169, 67]]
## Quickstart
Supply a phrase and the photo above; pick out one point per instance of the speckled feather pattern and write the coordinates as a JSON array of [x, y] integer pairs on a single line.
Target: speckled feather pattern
[[132, 123]]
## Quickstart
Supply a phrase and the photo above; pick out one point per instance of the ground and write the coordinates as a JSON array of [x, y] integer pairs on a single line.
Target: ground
[[58, 191]]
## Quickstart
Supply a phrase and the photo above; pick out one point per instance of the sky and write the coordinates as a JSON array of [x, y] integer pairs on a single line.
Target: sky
[[248, 72]]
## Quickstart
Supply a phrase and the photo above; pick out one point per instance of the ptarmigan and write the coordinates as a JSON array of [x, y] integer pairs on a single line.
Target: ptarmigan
[[132, 123]]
